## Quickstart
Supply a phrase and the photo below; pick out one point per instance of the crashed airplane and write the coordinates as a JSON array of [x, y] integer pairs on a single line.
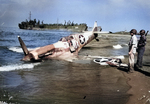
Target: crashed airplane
[[66, 48]]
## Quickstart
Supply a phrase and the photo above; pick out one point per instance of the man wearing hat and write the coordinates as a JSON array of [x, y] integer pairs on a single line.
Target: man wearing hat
[[132, 49]]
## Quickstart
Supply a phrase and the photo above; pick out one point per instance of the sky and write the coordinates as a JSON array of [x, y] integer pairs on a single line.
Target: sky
[[111, 15]]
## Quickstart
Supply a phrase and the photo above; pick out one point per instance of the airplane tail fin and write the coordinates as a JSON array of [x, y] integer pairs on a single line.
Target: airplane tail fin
[[95, 27], [23, 46], [96, 30]]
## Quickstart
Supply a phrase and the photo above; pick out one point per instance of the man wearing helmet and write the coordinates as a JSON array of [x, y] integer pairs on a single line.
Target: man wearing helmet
[[141, 48], [132, 49]]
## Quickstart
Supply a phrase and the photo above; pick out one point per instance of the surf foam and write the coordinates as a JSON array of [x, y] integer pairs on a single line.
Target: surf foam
[[17, 49], [18, 66], [117, 46]]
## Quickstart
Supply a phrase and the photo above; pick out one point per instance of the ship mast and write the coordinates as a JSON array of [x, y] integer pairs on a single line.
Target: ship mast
[[30, 16]]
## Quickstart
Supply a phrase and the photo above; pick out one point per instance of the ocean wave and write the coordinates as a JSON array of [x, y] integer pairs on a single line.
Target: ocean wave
[[18, 66], [118, 46], [126, 44], [18, 49]]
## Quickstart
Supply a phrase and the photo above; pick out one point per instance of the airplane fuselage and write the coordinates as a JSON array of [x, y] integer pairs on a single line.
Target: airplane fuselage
[[66, 48]]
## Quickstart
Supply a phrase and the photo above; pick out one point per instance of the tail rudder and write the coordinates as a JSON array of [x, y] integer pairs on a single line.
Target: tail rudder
[[95, 27], [23, 46], [96, 30]]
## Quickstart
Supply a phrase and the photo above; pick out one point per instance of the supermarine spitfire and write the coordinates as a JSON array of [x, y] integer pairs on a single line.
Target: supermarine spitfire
[[66, 48]]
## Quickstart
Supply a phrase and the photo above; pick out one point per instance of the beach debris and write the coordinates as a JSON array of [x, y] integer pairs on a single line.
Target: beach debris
[[102, 61], [115, 62], [84, 97], [2, 102], [148, 100], [10, 97], [144, 96]]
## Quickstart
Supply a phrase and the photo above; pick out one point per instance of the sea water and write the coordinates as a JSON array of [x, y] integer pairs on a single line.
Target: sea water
[[10, 50], [55, 81]]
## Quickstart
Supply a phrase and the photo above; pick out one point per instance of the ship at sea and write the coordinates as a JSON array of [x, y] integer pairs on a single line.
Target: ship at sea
[[37, 25]]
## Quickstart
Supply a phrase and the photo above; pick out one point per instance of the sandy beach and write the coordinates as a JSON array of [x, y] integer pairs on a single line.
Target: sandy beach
[[139, 81], [79, 82]]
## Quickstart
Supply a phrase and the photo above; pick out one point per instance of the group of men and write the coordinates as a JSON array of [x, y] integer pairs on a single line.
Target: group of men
[[138, 46]]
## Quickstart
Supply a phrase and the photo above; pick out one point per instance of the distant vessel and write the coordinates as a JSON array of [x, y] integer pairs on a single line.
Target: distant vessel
[[36, 25]]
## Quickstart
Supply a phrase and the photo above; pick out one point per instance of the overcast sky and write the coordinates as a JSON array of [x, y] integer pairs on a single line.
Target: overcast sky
[[111, 15]]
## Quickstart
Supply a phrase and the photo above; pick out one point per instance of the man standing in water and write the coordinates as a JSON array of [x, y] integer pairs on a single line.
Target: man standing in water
[[132, 50], [141, 48]]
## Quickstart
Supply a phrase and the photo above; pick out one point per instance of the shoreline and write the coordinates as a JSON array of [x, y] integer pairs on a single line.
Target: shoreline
[[140, 89], [139, 81], [82, 81]]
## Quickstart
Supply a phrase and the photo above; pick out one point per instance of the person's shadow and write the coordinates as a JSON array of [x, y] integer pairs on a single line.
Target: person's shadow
[[125, 69], [142, 71]]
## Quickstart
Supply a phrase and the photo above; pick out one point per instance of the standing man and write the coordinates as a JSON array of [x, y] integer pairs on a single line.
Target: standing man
[[132, 49], [141, 48]]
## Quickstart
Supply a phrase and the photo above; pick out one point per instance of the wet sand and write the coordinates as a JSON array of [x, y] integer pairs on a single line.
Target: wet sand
[[139, 81]]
